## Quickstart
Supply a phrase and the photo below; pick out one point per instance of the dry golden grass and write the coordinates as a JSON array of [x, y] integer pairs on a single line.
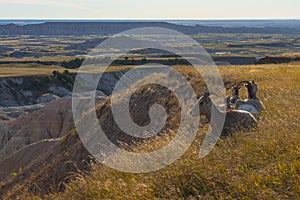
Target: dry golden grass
[[262, 164], [19, 70], [44, 58]]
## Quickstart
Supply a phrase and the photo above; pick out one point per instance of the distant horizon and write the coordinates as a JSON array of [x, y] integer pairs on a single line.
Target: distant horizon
[[287, 23], [283, 23], [149, 19]]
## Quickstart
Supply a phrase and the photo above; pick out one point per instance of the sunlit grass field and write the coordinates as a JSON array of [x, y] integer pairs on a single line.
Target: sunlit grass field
[[19, 70], [262, 164]]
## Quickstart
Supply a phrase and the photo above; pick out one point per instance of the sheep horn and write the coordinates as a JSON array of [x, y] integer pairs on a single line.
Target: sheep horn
[[243, 82], [228, 85], [207, 93], [214, 94]]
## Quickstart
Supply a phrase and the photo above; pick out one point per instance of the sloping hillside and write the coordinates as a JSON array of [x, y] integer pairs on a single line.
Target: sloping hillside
[[43, 167], [262, 164], [53, 121]]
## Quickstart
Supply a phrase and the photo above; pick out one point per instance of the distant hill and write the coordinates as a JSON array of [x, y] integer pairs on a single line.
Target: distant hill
[[279, 59], [107, 28]]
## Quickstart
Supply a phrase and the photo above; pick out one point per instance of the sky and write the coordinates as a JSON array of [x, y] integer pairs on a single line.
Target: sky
[[150, 9]]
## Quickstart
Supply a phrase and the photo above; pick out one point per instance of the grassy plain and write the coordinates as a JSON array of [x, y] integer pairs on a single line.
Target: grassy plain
[[262, 164], [18, 70]]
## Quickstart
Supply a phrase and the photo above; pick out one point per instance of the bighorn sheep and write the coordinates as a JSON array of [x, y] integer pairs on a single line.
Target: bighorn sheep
[[231, 100], [253, 103], [235, 120]]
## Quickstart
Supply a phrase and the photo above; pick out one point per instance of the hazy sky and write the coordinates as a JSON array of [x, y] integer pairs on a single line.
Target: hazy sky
[[150, 9]]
